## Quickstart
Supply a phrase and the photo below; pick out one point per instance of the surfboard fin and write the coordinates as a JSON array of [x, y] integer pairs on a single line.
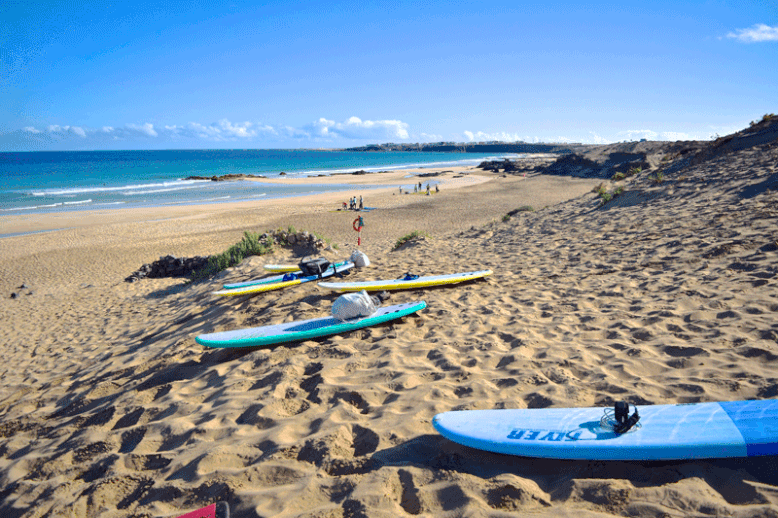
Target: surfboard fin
[[624, 422]]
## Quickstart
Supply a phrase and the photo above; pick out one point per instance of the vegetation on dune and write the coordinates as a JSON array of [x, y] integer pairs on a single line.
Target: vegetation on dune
[[251, 244], [606, 196], [765, 118], [658, 178], [408, 237], [523, 208]]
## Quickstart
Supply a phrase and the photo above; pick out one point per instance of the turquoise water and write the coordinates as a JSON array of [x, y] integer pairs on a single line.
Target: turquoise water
[[88, 180]]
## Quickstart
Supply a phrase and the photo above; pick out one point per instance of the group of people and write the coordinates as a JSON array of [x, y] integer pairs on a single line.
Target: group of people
[[417, 189], [353, 205]]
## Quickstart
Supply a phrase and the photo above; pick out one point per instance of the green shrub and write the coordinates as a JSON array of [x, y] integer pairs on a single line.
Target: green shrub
[[659, 177], [766, 117], [413, 235], [249, 245], [606, 196], [635, 170], [618, 176]]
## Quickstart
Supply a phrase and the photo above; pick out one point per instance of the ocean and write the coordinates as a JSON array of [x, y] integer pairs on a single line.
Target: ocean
[[44, 182]]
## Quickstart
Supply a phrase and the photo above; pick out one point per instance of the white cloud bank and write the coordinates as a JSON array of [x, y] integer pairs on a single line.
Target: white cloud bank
[[195, 133], [357, 129], [591, 138], [758, 33]]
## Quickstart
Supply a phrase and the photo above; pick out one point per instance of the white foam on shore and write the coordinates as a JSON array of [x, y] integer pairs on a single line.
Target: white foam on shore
[[155, 191], [81, 190]]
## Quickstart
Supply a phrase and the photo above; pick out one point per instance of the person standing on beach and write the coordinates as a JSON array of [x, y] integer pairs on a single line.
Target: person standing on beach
[[361, 206]]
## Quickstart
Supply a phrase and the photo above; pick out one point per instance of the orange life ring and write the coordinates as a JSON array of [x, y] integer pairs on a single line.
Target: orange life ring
[[355, 225]]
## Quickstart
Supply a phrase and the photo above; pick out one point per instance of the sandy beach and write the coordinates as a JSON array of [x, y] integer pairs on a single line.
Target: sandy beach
[[668, 293]]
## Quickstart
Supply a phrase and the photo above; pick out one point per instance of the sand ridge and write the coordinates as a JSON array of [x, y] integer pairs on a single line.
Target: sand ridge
[[666, 294]]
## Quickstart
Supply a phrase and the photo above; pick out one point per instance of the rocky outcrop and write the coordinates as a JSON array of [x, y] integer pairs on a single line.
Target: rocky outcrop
[[302, 243], [608, 165], [225, 177], [168, 266]]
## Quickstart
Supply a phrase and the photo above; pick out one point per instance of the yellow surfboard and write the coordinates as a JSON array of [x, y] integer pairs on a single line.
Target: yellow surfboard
[[402, 284], [282, 268]]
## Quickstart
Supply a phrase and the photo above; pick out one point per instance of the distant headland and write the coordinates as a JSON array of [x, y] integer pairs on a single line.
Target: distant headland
[[475, 147]]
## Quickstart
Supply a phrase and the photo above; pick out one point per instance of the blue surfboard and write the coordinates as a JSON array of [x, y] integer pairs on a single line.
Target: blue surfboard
[[664, 432], [340, 266]]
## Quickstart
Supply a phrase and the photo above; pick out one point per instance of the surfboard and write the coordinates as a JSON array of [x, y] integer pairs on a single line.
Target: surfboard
[[281, 268], [269, 286], [217, 510], [664, 432], [304, 329], [399, 284], [278, 278]]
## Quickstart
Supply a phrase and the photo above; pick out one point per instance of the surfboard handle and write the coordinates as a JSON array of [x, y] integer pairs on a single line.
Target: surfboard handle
[[624, 422]]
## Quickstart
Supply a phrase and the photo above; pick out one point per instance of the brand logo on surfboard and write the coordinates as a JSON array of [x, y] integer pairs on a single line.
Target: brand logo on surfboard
[[545, 435]]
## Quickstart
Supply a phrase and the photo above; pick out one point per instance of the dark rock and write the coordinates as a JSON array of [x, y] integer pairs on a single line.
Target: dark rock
[[169, 266], [14, 295], [225, 177]]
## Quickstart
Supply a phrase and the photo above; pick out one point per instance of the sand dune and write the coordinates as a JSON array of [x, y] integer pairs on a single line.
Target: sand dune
[[665, 294]]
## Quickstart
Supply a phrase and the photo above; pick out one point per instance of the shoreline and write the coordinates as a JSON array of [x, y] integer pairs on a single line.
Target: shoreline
[[31, 222]]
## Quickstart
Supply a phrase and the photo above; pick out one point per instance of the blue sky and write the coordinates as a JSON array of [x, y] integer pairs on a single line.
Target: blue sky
[[165, 75]]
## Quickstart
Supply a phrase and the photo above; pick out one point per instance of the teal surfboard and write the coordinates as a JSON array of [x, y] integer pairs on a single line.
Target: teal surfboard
[[305, 329], [664, 432]]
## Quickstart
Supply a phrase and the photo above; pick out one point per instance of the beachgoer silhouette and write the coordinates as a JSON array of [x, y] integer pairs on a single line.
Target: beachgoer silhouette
[[361, 206]]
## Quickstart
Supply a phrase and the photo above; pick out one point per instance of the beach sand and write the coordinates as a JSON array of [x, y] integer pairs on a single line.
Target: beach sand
[[667, 294]]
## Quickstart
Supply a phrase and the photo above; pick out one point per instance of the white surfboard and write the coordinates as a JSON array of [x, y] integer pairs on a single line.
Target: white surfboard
[[664, 432], [401, 284]]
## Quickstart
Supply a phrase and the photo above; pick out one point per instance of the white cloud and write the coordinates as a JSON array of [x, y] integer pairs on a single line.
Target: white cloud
[[596, 139], [637, 135], [501, 136], [427, 137], [356, 128], [757, 33], [676, 135], [145, 129], [30, 129], [76, 130]]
